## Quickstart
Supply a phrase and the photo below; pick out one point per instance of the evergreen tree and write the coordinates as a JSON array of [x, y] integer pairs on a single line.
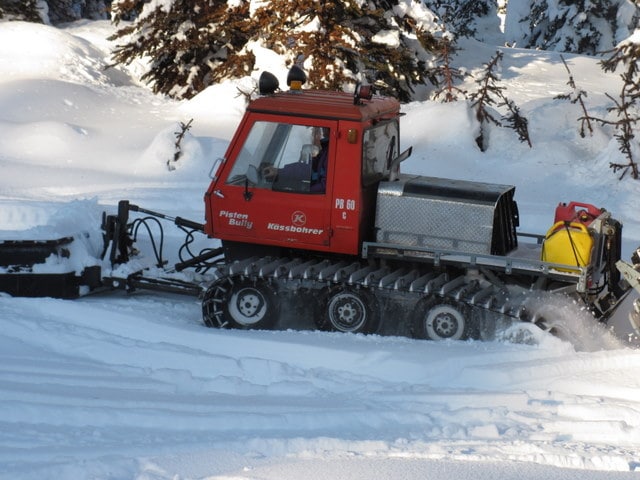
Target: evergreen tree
[[486, 98], [490, 95], [444, 75], [579, 26], [342, 42], [26, 10], [196, 43]]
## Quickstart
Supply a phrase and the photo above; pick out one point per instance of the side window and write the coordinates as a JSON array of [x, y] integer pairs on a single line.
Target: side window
[[380, 148], [283, 157]]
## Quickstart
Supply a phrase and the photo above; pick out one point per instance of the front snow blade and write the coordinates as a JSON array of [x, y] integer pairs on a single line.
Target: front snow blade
[[26, 253], [55, 285], [24, 271]]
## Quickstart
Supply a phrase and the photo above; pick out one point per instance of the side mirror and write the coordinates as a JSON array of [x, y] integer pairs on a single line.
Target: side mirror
[[213, 173]]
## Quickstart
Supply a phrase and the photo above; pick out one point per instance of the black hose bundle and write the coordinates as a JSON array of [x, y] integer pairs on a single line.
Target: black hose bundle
[[201, 262]]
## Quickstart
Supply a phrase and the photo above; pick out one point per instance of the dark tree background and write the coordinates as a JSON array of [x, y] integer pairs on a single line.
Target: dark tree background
[[462, 17], [54, 11], [196, 43], [26, 10], [342, 42], [192, 45]]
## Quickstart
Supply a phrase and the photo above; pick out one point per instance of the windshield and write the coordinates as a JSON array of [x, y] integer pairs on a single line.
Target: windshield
[[283, 156]]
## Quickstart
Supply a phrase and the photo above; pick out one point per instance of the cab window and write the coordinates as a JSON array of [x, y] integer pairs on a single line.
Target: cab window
[[380, 148]]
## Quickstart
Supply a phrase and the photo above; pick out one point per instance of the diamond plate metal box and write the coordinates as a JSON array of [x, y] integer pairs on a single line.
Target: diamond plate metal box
[[447, 214]]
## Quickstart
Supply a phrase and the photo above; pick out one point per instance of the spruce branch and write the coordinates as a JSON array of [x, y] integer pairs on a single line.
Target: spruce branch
[[445, 74], [490, 94], [625, 128], [625, 107], [483, 98], [577, 96], [487, 89], [517, 122], [184, 128]]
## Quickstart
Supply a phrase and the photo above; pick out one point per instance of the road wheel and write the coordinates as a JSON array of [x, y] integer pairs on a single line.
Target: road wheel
[[251, 304], [351, 310], [438, 319], [244, 304]]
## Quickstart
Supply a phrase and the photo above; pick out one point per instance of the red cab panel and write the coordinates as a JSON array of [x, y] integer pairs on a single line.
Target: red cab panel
[[294, 176]]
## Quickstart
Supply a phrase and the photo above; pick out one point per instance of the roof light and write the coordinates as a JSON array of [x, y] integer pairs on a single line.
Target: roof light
[[296, 78], [362, 92], [268, 83]]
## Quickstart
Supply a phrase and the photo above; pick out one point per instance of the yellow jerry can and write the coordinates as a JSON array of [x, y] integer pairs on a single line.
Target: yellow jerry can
[[568, 244]]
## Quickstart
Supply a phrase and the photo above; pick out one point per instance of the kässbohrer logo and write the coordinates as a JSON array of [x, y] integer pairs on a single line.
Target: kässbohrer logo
[[298, 218], [298, 221]]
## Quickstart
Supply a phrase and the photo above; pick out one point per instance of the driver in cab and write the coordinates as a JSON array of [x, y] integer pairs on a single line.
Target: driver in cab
[[302, 176]]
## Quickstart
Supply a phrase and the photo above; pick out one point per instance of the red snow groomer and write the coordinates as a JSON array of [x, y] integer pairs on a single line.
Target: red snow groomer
[[312, 212]]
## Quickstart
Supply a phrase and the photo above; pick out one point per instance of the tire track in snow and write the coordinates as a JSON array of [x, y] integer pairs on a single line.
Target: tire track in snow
[[78, 377]]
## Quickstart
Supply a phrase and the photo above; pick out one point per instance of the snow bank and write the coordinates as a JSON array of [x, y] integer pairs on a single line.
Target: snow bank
[[33, 220], [48, 52]]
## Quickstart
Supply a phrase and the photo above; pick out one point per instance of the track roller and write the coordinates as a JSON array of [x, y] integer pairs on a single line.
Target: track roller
[[352, 310], [240, 303], [443, 319]]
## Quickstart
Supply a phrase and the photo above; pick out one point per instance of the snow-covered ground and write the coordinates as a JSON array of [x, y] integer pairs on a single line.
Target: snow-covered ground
[[112, 386]]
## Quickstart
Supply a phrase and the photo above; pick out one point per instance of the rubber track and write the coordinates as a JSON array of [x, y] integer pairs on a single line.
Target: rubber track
[[290, 274]]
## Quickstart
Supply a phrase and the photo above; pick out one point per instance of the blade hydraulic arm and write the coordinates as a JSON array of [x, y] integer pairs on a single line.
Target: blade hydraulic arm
[[181, 222]]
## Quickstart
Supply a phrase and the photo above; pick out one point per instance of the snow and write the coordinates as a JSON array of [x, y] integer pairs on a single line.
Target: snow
[[115, 386], [387, 37]]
